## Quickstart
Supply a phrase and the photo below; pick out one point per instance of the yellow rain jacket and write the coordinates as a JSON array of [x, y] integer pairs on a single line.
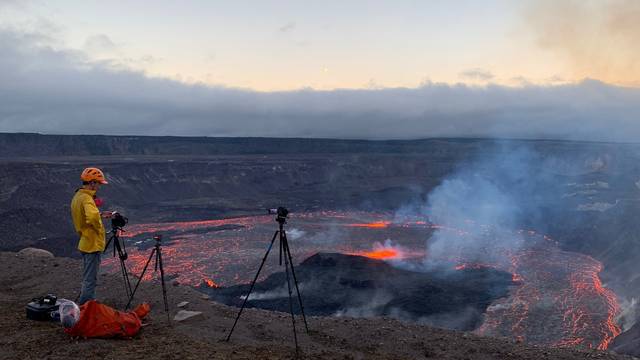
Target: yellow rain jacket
[[87, 221]]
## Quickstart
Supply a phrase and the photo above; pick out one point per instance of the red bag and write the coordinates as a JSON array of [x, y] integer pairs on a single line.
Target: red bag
[[99, 320]]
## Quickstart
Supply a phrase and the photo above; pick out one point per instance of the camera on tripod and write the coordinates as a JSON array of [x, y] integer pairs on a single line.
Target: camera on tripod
[[281, 213], [118, 221], [156, 254], [285, 253]]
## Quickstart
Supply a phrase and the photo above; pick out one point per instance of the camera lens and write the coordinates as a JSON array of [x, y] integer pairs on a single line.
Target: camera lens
[[118, 220]]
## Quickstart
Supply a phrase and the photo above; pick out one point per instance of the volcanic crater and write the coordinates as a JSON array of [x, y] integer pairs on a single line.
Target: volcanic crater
[[207, 196], [352, 285]]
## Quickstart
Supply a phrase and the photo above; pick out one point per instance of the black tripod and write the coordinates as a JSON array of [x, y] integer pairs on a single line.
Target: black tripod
[[157, 254], [119, 249], [288, 262]]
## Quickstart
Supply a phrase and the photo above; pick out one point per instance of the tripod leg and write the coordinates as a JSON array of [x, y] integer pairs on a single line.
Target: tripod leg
[[114, 246], [253, 283], [125, 276], [140, 279], [293, 319], [281, 248], [123, 267], [164, 289], [109, 242], [287, 251]]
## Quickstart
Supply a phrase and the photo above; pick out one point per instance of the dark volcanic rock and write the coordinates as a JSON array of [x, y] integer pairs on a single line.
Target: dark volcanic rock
[[628, 342], [35, 145], [338, 284]]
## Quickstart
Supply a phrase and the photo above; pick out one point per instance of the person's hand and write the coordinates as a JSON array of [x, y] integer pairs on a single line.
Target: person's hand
[[107, 214]]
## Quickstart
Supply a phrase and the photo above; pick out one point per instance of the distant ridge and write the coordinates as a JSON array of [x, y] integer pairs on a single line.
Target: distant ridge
[[38, 145]]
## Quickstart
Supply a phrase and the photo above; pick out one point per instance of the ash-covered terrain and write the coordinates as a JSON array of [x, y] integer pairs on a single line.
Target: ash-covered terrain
[[583, 196]]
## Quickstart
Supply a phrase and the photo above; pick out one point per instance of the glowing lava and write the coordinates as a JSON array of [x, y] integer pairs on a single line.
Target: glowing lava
[[381, 254], [557, 300], [372, 225], [210, 283]]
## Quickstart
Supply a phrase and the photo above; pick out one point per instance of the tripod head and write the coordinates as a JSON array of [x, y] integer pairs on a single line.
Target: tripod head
[[158, 239], [281, 214]]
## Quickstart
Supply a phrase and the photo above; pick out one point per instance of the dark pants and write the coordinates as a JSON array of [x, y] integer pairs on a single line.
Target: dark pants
[[91, 265]]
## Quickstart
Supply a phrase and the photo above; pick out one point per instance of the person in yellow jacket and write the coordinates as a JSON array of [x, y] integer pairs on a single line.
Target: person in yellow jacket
[[88, 224]]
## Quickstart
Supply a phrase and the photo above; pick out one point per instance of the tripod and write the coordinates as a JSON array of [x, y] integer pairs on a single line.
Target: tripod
[[118, 248], [288, 262], [156, 254]]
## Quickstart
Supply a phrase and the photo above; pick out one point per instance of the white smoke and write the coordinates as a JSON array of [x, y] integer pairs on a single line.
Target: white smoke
[[277, 293], [328, 238], [628, 313], [479, 208], [373, 307], [295, 234]]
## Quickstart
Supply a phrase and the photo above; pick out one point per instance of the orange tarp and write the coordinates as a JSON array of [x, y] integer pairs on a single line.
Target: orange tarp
[[99, 320]]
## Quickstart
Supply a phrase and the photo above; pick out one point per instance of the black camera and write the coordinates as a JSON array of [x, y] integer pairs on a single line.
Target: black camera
[[281, 212], [118, 221]]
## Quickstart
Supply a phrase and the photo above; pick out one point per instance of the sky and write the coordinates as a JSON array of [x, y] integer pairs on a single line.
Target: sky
[[347, 69]]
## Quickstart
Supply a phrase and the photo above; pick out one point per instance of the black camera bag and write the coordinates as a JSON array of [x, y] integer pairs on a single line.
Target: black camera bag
[[44, 308]]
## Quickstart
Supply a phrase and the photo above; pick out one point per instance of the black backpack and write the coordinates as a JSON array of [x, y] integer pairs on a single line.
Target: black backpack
[[44, 308]]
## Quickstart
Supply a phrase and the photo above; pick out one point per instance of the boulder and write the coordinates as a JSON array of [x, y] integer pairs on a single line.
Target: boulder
[[183, 304], [34, 252], [183, 315]]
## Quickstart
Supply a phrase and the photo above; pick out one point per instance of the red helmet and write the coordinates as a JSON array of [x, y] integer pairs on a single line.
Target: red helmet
[[93, 174]]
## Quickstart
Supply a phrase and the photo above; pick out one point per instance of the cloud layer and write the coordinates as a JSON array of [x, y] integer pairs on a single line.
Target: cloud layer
[[47, 89]]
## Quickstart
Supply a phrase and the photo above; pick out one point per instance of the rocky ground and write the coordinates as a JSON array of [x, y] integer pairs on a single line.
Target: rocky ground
[[260, 334]]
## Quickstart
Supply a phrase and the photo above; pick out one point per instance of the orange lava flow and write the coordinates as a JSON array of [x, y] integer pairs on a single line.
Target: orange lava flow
[[210, 283], [560, 291], [381, 254], [587, 283], [372, 225]]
